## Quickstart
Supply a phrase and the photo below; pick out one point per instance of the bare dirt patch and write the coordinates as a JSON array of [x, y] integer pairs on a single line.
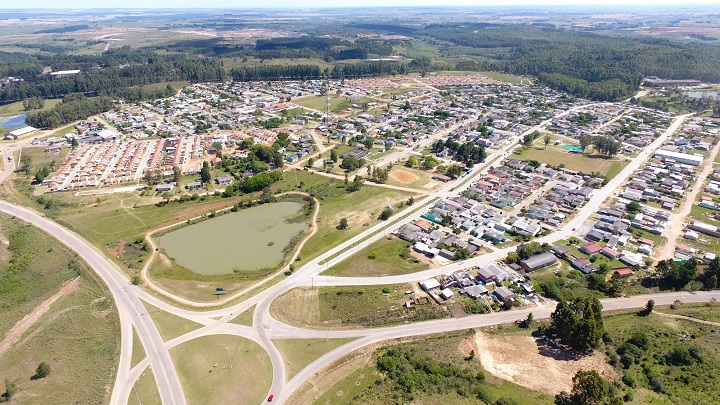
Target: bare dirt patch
[[403, 176], [533, 363]]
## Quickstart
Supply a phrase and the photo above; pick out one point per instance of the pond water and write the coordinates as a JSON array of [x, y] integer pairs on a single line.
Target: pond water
[[249, 239], [14, 122], [573, 148]]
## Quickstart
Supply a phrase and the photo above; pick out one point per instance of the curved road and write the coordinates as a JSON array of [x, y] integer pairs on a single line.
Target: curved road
[[133, 314]]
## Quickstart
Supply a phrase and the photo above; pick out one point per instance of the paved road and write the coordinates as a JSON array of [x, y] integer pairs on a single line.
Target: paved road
[[132, 312]]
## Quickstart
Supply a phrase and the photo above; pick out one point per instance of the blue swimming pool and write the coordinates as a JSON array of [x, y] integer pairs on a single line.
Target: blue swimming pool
[[573, 148]]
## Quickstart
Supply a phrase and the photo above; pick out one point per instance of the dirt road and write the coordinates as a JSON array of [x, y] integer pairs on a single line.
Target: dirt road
[[23, 325]]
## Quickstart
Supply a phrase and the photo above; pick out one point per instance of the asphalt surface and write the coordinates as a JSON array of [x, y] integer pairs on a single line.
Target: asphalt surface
[[265, 328]]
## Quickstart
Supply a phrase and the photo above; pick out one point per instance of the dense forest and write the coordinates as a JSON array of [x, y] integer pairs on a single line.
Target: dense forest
[[108, 74], [583, 64]]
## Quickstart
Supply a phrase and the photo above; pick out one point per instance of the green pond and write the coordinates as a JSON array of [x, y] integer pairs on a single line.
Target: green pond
[[249, 239]]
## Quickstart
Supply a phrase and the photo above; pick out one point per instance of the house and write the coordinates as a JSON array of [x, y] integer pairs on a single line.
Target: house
[[486, 275], [475, 291], [538, 261], [430, 284], [527, 288], [193, 185], [595, 236], [447, 254], [610, 253], [561, 251], [446, 293], [223, 180], [624, 272], [503, 294], [590, 248], [441, 177], [165, 187]]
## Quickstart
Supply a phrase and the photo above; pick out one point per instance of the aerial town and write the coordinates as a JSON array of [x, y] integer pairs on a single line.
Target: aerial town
[[315, 207]]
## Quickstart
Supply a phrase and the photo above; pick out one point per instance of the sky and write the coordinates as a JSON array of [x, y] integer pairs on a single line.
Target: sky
[[240, 4]]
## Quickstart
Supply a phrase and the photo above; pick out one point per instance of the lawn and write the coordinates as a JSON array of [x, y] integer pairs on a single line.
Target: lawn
[[411, 177], [555, 156], [145, 391], [223, 369], [501, 77], [245, 318], [361, 209], [17, 108], [298, 353], [349, 387], [138, 351], [170, 326], [385, 257], [341, 307], [337, 104], [79, 336]]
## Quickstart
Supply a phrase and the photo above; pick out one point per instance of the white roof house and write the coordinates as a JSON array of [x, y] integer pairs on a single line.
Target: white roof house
[[429, 284]]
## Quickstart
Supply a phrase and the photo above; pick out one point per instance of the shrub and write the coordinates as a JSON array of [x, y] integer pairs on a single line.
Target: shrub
[[42, 371]]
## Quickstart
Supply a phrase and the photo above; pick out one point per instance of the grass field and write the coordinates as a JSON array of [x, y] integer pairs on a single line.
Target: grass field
[[360, 208], [170, 326], [337, 104], [663, 364], [245, 318], [79, 336], [708, 312], [17, 108], [501, 77], [340, 307], [385, 257], [555, 156], [145, 390], [367, 385], [223, 369], [421, 179], [138, 351], [298, 353]]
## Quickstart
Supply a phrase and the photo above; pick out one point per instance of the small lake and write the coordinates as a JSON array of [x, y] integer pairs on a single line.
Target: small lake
[[701, 94], [249, 239], [14, 122]]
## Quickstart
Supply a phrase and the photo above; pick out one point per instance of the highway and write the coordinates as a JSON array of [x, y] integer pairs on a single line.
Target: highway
[[132, 313]]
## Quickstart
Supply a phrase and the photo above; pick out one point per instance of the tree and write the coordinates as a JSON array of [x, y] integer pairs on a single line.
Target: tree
[[25, 163], [410, 201], [588, 389], [528, 321], [633, 207], [578, 324], [74, 142], [136, 280], [546, 140], [42, 370], [10, 390], [649, 307], [177, 172], [386, 213], [205, 175], [333, 155], [343, 224]]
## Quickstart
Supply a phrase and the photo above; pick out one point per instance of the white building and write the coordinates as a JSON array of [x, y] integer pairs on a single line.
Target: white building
[[685, 158]]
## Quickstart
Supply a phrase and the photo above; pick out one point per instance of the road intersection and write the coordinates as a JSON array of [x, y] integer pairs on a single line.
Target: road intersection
[[265, 328]]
